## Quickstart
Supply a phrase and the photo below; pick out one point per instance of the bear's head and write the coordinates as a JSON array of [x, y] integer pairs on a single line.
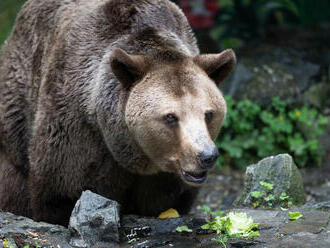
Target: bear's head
[[174, 109]]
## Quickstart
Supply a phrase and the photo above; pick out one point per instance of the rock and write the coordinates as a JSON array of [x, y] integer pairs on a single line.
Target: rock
[[19, 231], [278, 170], [318, 95], [94, 222], [322, 206], [266, 72]]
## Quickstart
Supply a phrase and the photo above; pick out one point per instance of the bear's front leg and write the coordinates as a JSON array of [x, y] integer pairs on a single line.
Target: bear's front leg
[[59, 156], [48, 199], [50, 207], [61, 151]]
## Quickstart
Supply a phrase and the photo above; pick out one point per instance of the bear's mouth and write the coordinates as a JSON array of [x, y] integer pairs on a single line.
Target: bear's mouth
[[194, 177]]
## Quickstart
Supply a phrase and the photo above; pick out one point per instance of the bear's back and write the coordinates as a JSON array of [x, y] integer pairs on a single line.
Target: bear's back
[[56, 48], [78, 33]]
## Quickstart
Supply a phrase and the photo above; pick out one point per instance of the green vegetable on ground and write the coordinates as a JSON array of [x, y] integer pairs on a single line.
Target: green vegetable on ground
[[183, 229], [295, 215], [233, 225]]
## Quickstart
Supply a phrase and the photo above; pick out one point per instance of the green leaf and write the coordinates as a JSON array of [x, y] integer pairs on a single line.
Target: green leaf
[[267, 186], [295, 215], [131, 241], [217, 213], [257, 194], [183, 229], [206, 209], [269, 197], [284, 196]]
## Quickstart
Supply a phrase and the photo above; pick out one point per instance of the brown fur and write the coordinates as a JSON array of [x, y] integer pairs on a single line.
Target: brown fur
[[84, 86]]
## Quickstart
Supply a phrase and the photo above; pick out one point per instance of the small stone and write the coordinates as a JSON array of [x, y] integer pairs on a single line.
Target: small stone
[[94, 220], [278, 170]]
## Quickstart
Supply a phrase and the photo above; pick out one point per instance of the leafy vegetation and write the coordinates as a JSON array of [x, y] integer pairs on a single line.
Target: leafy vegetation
[[132, 241], [253, 131], [265, 197], [233, 225], [295, 215], [183, 229]]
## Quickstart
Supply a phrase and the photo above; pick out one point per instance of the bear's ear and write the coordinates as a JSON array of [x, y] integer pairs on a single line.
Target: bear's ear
[[127, 68], [217, 66]]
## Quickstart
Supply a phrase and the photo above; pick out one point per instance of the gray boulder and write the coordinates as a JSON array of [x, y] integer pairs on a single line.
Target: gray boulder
[[280, 171], [270, 71], [94, 222]]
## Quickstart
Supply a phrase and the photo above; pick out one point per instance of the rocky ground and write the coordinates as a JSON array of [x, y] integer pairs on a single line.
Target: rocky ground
[[223, 187], [95, 221]]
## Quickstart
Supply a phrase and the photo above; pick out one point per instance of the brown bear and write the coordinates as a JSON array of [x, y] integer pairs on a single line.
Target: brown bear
[[110, 96]]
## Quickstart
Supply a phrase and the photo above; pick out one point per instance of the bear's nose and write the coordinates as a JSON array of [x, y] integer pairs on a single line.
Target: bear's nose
[[208, 157]]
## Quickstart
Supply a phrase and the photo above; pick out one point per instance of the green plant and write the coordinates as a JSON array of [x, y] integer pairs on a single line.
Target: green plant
[[183, 229], [254, 131], [295, 215], [265, 197], [233, 225], [285, 199], [131, 241]]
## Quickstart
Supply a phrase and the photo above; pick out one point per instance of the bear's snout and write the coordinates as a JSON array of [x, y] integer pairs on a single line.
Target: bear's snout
[[208, 157]]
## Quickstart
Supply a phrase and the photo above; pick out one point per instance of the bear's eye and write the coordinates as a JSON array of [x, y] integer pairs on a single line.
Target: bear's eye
[[209, 116], [171, 119]]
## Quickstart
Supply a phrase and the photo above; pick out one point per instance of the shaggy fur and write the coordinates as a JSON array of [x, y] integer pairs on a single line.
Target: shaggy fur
[[70, 101]]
